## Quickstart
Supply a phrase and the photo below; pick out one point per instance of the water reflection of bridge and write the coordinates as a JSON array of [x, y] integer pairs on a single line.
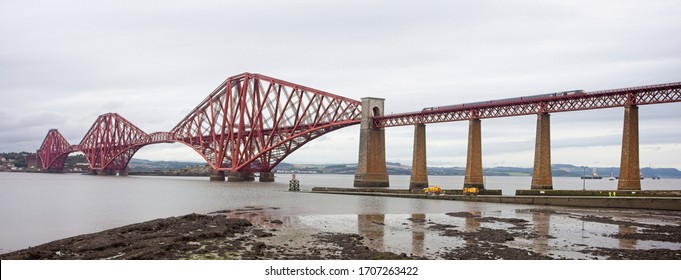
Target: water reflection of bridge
[[433, 235]]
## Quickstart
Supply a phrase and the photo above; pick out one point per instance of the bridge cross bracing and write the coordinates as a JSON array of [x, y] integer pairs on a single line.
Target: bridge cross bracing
[[251, 122], [644, 95], [541, 105]]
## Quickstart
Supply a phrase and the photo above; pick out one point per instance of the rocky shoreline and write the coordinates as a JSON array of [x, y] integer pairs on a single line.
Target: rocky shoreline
[[196, 236], [232, 234]]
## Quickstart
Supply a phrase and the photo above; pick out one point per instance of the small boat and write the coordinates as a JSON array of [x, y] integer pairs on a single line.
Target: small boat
[[594, 175], [612, 178]]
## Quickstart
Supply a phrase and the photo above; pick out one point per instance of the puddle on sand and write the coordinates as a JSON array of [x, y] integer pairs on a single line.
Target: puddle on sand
[[552, 232]]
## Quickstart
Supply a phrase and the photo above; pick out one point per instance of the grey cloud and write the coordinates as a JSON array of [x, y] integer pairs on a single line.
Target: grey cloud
[[153, 63]]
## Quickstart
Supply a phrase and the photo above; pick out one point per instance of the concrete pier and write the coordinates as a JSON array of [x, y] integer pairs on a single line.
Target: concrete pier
[[100, 172], [541, 176], [217, 175], [240, 176], [248, 176], [266, 177], [630, 173], [124, 172], [474, 157], [235, 176], [419, 169], [105, 172], [371, 168]]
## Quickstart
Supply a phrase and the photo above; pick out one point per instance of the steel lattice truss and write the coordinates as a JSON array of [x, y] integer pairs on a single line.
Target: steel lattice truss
[[53, 151], [111, 142], [252, 122], [249, 123], [654, 94]]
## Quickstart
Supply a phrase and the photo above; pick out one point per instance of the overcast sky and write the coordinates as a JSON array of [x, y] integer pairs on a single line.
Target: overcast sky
[[63, 63]]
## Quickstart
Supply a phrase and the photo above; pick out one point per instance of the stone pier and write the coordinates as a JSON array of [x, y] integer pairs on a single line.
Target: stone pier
[[630, 173], [248, 176], [266, 176], [371, 169], [419, 169], [542, 179], [474, 158], [217, 175], [103, 172], [235, 176]]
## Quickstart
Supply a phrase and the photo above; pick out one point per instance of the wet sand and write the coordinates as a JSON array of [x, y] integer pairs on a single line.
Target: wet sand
[[261, 233]]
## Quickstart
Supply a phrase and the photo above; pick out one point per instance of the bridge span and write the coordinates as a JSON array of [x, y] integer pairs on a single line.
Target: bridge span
[[372, 172], [251, 122], [248, 124]]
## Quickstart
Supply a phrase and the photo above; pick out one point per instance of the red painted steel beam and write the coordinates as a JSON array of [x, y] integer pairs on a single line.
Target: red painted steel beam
[[54, 150], [653, 94], [252, 122], [111, 142]]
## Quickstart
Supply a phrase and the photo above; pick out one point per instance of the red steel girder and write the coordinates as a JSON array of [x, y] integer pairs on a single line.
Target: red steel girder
[[111, 142], [106, 145], [54, 150], [252, 122], [653, 94]]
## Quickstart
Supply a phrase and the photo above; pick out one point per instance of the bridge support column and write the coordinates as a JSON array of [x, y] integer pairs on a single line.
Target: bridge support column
[[542, 179], [39, 161], [630, 173], [235, 176], [371, 168], [419, 170], [248, 176], [103, 172], [266, 176], [216, 175], [474, 157]]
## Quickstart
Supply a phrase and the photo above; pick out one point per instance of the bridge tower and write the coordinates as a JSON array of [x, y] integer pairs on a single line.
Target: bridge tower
[[630, 173], [419, 168], [541, 176], [474, 157], [371, 168]]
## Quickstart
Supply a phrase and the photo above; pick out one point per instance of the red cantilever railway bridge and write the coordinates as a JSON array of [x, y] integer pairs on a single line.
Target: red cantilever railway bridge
[[251, 122]]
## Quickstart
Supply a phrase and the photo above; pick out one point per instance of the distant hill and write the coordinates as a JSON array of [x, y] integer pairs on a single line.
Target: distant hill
[[143, 165], [558, 170], [393, 168], [568, 170]]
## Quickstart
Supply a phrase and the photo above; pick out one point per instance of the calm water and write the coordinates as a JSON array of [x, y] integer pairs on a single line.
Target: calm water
[[38, 208]]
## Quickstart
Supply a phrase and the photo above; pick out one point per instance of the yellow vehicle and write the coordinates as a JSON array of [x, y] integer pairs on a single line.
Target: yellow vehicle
[[434, 190], [470, 191]]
